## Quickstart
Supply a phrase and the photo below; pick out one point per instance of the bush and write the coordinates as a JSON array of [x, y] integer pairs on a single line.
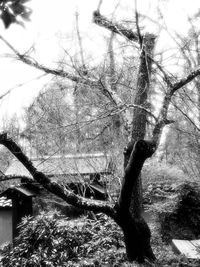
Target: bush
[[158, 172], [42, 242], [47, 241], [182, 222]]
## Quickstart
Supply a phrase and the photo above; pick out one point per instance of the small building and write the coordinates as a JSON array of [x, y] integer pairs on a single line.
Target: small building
[[15, 203], [83, 173]]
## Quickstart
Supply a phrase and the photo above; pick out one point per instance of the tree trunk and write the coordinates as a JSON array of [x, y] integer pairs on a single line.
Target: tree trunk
[[136, 231], [139, 115]]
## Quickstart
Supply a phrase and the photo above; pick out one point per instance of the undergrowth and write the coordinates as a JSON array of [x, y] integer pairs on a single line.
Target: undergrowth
[[49, 240]]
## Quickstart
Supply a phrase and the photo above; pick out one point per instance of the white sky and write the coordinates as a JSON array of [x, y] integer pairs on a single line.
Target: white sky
[[52, 28]]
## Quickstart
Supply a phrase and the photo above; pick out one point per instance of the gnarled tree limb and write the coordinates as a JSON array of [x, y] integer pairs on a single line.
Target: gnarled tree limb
[[138, 154], [53, 187], [114, 27], [136, 231]]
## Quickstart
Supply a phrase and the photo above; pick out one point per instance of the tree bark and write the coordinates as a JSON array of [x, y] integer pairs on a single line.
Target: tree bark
[[140, 116], [136, 231]]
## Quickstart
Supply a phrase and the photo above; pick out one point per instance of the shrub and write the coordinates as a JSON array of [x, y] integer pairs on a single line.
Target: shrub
[[158, 172], [48, 241], [182, 222], [42, 242]]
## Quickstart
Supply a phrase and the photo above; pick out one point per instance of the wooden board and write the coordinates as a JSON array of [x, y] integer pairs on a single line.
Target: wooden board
[[189, 248]]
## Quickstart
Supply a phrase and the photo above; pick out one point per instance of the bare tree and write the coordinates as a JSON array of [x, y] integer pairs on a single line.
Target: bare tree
[[136, 231]]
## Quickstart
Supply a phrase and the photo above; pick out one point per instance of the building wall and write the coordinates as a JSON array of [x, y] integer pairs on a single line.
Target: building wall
[[5, 226]]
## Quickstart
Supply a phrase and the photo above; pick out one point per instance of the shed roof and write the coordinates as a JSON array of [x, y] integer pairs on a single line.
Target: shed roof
[[17, 190], [81, 164]]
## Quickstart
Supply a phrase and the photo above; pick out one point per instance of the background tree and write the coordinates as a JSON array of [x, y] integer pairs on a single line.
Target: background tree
[[184, 134], [46, 119]]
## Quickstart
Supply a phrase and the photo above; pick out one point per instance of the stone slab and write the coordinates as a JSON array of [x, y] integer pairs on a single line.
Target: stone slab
[[189, 248]]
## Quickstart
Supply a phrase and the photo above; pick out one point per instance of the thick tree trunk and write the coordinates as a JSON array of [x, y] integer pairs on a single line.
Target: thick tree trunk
[[137, 238], [139, 115], [136, 231]]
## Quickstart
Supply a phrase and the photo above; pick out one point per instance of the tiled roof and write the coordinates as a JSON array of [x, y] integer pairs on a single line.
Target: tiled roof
[[69, 165], [16, 190], [5, 203]]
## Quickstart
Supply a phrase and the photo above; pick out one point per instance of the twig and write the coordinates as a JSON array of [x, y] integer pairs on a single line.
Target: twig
[[99, 5], [140, 38]]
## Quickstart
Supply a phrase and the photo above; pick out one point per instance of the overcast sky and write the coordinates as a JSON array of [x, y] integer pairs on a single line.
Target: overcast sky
[[52, 29]]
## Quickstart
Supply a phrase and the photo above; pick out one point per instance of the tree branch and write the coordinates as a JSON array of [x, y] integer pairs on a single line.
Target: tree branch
[[187, 117], [162, 118], [114, 27], [118, 28], [20, 85], [182, 82], [142, 108], [104, 87], [11, 177], [58, 72], [132, 36], [172, 87], [140, 38], [99, 5], [84, 69], [53, 187], [166, 76]]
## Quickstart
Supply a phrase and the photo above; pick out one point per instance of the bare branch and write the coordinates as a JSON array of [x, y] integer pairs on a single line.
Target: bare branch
[[106, 89], [157, 131], [186, 116], [58, 72], [114, 27], [142, 108], [112, 69], [80, 42], [99, 5], [182, 82], [53, 187], [166, 76], [20, 85], [140, 38], [167, 100], [129, 34], [5, 94], [118, 28], [11, 177]]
